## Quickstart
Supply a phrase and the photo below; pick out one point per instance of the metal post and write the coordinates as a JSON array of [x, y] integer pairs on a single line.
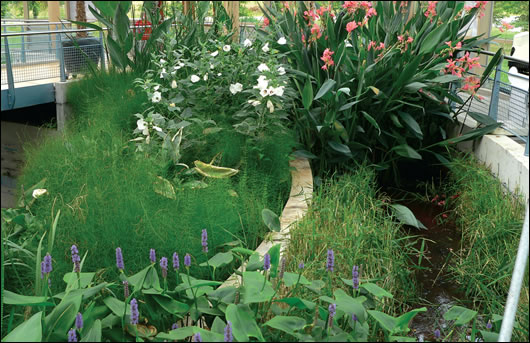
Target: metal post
[[515, 286], [60, 53], [10, 80], [526, 146], [102, 50], [23, 50], [494, 99]]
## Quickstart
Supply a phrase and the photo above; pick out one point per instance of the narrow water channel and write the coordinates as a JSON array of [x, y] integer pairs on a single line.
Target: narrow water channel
[[438, 292]]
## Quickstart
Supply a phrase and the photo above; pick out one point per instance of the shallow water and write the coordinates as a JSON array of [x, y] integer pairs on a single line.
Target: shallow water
[[438, 292]]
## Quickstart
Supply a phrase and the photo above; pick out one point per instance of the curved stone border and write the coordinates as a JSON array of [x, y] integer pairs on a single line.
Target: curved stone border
[[295, 208]]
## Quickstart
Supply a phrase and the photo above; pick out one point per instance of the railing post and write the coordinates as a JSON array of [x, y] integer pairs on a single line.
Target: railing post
[[49, 40], [102, 50], [494, 99], [10, 80], [60, 53], [23, 50]]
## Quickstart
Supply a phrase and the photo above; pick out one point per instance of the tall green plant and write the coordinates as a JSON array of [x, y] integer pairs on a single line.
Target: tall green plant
[[375, 79], [122, 41]]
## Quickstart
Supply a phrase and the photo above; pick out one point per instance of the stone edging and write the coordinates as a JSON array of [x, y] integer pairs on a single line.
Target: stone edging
[[295, 208]]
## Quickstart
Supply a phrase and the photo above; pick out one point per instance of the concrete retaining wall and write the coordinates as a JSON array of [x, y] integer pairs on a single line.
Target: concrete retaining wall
[[501, 154]]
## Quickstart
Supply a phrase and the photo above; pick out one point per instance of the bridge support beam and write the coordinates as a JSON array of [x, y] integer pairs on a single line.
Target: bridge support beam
[[62, 107]]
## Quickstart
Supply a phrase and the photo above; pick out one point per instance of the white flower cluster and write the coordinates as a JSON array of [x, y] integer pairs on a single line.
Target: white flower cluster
[[143, 126]]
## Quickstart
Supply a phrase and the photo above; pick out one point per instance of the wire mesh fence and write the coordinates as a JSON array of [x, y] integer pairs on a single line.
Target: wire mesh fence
[[42, 56]]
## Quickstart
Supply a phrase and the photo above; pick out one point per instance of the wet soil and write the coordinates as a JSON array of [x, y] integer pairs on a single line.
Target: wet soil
[[438, 292]]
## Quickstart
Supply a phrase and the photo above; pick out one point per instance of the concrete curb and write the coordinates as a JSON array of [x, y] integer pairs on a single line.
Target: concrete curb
[[502, 155], [295, 208]]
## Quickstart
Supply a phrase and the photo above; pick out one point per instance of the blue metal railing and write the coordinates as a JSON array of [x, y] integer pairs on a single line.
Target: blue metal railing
[[506, 103]]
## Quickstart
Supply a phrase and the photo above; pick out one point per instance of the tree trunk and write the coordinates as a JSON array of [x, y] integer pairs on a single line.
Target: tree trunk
[[80, 16]]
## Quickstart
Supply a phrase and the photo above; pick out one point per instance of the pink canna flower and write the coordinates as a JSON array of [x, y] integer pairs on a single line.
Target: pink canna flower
[[431, 10], [400, 38], [458, 45], [381, 46], [266, 22], [371, 45], [328, 60], [352, 25], [410, 39]]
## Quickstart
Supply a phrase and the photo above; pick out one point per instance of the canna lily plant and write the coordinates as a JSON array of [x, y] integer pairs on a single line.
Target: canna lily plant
[[377, 79]]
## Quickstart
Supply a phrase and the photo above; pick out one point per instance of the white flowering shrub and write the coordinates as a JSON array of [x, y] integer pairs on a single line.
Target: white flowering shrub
[[215, 87]]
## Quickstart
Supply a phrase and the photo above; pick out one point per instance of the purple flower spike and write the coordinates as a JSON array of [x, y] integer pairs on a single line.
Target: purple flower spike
[[163, 265], [125, 289], [197, 337], [79, 321], [152, 255], [204, 240], [355, 277], [46, 265], [330, 261], [134, 312], [187, 260], [174, 326], [282, 267], [176, 262], [75, 258], [72, 336], [301, 265], [437, 333], [488, 325], [228, 332], [267, 262], [354, 317], [332, 310], [119, 259]]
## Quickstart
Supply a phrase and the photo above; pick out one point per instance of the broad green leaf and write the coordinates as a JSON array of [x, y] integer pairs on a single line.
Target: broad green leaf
[[243, 250], [340, 147], [290, 279], [137, 280], [415, 86], [374, 89], [348, 105], [402, 322], [170, 305], [243, 323], [209, 170], [470, 135], [62, 317], [29, 331], [72, 282], [482, 118], [116, 54], [316, 285], [350, 305], [188, 331], [385, 321], [304, 154], [286, 324], [411, 123], [433, 39], [298, 303], [254, 290], [395, 120], [89, 25], [372, 121], [406, 151], [460, 314], [326, 87], [341, 130], [307, 95], [445, 79], [376, 290], [94, 334], [11, 298], [117, 306], [489, 336], [164, 188], [407, 73], [219, 260], [405, 215], [271, 220], [402, 339]]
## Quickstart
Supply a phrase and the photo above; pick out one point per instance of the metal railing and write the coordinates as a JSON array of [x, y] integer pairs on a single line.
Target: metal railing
[[505, 102]]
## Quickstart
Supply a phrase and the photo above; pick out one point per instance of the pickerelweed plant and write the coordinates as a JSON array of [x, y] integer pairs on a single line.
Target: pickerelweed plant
[[375, 80], [266, 305]]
